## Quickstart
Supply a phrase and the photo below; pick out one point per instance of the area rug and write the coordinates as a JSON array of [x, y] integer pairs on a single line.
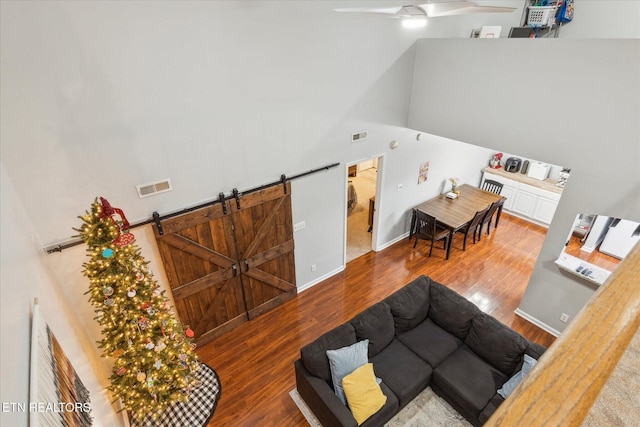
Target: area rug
[[427, 409], [197, 411]]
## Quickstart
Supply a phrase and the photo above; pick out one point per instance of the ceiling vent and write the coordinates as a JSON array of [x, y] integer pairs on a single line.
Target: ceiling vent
[[359, 136], [152, 189]]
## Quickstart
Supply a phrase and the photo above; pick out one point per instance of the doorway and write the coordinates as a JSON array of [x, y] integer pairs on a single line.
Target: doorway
[[362, 180]]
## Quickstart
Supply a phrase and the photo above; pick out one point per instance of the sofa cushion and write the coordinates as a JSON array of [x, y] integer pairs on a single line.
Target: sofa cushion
[[430, 342], [345, 360], [410, 305], [402, 371], [468, 381], [451, 310], [491, 407], [376, 325], [508, 387], [363, 393], [496, 343], [314, 355]]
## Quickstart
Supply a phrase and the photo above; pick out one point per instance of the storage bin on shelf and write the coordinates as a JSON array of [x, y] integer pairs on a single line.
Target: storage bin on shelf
[[541, 16]]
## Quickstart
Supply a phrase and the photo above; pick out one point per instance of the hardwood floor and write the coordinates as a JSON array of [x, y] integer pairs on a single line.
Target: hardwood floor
[[255, 360]]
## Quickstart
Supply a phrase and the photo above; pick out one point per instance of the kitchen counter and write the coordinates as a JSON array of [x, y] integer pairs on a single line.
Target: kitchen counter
[[548, 184]]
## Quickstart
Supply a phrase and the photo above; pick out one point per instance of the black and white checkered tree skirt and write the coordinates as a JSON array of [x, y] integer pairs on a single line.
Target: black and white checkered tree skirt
[[197, 411]]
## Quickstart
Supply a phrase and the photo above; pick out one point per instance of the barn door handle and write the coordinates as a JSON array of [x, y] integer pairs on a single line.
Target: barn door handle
[[222, 202], [235, 270], [156, 219], [236, 195], [246, 265]]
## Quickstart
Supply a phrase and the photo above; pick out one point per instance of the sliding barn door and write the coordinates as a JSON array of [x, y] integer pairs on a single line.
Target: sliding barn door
[[200, 259], [229, 263], [264, 238]]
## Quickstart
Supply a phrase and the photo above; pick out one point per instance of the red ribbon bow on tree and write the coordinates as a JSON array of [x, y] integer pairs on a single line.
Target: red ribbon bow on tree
[[110, 211]]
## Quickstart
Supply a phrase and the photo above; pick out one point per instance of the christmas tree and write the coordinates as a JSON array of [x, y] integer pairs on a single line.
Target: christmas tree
[[154, 359]]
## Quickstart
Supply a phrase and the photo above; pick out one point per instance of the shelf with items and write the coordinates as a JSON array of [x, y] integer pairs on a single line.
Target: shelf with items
[[584, 269], [543, 18]]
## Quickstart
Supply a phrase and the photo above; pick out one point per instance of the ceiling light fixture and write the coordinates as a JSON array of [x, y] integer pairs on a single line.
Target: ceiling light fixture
[[419, 22]]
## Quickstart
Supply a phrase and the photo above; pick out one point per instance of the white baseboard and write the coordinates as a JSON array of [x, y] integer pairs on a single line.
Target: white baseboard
[[537, 322], [392, 242], [302, 288]]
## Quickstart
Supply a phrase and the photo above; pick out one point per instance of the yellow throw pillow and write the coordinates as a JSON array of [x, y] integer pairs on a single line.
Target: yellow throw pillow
[[364, 395]]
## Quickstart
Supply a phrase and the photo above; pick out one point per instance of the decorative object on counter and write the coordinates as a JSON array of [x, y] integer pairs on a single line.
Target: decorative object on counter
[[494, 163], [525, 167], [563, 176]]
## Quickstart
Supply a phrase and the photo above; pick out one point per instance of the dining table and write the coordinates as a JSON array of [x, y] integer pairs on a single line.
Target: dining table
[[454, 214]]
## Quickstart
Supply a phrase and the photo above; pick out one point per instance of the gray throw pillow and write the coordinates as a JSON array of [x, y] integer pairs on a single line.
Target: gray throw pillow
[[509, 386], [345, 360]]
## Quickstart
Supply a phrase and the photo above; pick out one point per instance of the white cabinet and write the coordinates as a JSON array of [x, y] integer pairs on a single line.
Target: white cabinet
[[509, 191], [544, 210], [527, 200]]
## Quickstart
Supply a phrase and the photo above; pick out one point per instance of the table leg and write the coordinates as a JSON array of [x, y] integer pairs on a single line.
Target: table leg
[[450, 243], [413, 224]]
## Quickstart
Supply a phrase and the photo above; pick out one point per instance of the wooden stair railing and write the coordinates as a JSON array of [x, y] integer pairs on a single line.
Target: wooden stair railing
[[567, 379]]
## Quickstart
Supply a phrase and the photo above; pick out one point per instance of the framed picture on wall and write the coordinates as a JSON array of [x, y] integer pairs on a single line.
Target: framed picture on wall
[[424, 171], [57, 396]]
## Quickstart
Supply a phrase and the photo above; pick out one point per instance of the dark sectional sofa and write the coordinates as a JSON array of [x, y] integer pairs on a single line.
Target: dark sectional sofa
[[424, 334]]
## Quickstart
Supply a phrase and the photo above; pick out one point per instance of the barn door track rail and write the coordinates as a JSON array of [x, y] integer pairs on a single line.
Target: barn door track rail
[[156, 218]]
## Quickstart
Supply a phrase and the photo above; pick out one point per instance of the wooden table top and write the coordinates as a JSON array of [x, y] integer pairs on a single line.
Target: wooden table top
[[455, 213]]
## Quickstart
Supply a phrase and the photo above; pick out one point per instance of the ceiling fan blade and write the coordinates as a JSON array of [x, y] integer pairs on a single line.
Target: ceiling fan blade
[[460, 8], [375, 10]]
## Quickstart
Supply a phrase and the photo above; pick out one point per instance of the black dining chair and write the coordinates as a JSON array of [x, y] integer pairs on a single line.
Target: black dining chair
[[489, 216], [427, 229], [500, 206], [473, 226], [496, 188], [492, 186]]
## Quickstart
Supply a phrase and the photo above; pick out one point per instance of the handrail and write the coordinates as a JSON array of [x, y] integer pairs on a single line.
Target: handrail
[[568, 378]]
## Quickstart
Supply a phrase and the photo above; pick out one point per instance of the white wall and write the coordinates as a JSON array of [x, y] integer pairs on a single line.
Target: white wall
[[569, 102], [24, 277]]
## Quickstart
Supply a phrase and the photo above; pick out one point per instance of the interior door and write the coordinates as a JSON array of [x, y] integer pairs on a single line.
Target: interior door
[[263, 230], [228, 263], [200, 259]]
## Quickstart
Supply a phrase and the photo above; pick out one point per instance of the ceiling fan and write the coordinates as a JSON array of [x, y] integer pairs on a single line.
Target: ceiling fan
[[430, 9]]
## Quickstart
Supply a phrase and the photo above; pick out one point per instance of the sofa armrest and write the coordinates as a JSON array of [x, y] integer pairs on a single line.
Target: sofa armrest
[[321, 399], [535, 350]]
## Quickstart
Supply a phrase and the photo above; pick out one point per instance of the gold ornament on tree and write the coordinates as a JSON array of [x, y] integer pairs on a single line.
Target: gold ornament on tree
[[154, 359]]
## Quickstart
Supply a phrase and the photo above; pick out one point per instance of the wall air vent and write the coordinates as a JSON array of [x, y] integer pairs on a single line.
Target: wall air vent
[[154, 188], [359, 136]]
